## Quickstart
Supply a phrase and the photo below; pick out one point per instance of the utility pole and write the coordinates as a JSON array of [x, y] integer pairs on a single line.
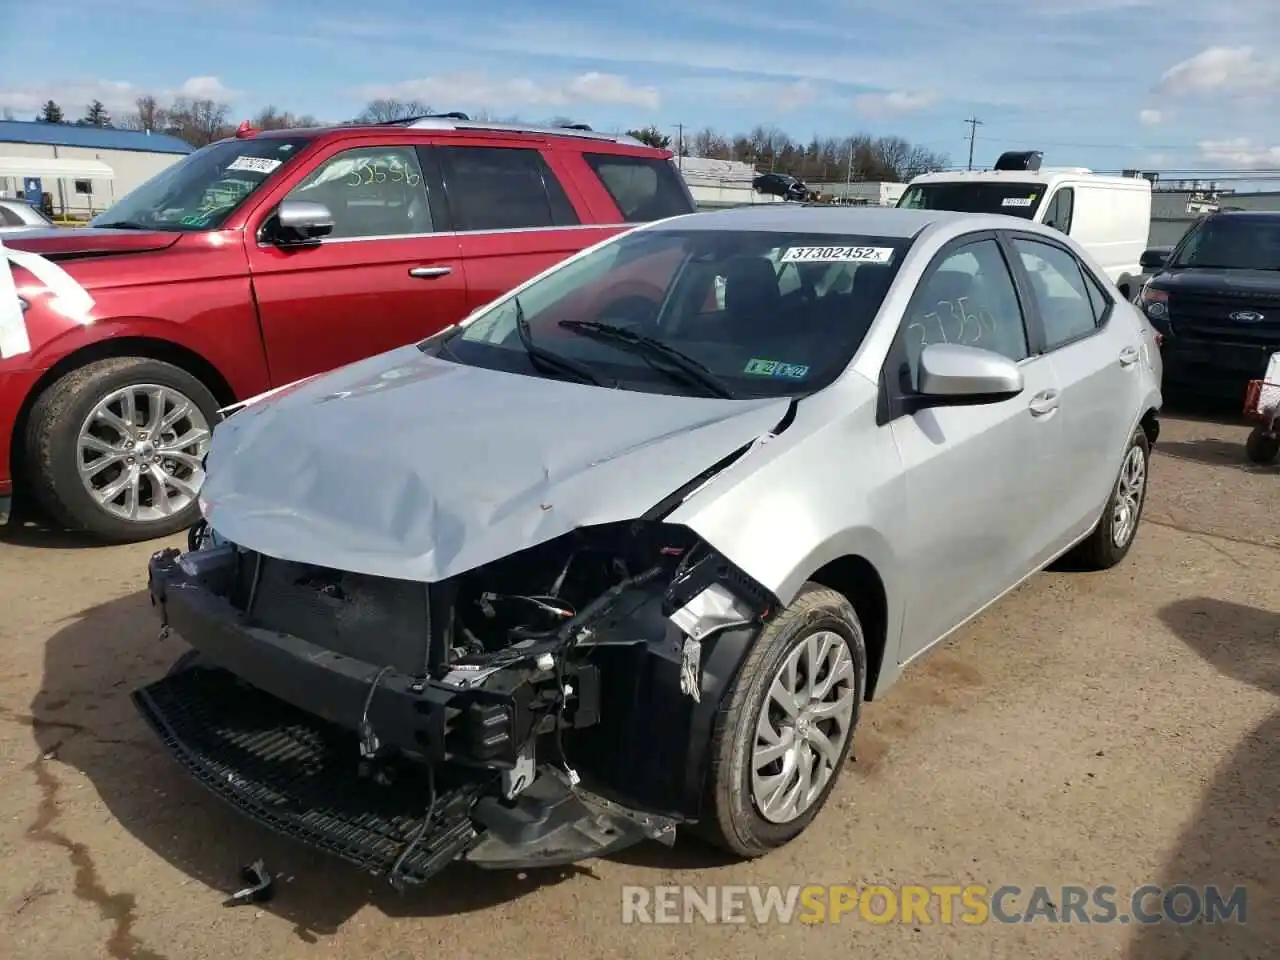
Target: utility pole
[[680, 146], [974, 123], [848, 176]]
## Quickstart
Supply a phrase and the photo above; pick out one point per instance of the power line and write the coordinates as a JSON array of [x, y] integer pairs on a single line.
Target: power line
[[973, 123]]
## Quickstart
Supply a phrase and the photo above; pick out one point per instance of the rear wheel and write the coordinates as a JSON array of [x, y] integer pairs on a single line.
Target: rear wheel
[[1113, 536], [785, 728], [115, 448]]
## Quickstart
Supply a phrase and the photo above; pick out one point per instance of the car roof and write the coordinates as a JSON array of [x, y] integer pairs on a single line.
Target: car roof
[[426, 126], [890, 222]]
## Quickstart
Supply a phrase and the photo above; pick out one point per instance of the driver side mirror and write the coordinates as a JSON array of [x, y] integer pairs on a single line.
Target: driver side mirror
[[302, 221], [952, 374], [1155, 258]]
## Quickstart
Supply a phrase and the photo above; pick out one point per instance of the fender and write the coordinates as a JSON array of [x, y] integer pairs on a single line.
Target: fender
[[70, 299]]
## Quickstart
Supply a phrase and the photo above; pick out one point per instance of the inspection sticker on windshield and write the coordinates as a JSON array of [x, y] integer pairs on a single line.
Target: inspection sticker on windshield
[[1016, 201], [837, 255], [776, 368], [254, 164]]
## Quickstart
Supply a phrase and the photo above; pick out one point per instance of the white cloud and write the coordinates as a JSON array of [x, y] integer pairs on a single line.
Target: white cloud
[[1240, 152], [1222, 70], [894, 103], [478, 89], [118, 96], [206, 88], [1150, 117]]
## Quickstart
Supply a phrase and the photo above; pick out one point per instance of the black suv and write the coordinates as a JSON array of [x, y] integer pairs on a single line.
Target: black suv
[[1215, 300]]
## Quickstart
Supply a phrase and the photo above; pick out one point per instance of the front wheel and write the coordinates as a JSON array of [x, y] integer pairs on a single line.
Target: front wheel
[[784, 731], [116, 448]]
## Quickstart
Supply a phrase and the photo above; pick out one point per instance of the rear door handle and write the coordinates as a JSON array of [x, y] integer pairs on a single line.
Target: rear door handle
[[1129, 356], [1043, 403], [429, 273]]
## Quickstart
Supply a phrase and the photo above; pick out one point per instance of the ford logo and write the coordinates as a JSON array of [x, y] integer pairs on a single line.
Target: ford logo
[[1247, 316]]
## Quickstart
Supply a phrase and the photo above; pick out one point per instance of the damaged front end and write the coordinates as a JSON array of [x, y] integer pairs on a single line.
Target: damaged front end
[[547, 707]]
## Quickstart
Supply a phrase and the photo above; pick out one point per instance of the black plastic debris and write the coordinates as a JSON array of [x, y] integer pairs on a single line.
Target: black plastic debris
[[258, 885]]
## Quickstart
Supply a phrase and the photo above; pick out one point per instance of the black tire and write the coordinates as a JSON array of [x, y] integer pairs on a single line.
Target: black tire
[[1100, 551], [1260, 448], [732, 821], [52, 436]]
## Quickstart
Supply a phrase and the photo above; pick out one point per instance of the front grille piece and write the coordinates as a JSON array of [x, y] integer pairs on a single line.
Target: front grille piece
[[303, 777]]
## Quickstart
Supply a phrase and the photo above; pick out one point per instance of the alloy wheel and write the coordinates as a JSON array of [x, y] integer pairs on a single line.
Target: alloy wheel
[[1129, 491], [802, 727], [140, 452]]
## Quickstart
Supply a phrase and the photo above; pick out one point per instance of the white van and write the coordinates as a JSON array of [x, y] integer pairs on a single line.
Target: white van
[[1108, 216]]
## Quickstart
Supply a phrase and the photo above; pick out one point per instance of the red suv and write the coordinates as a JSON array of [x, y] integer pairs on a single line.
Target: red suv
[[272, 256]]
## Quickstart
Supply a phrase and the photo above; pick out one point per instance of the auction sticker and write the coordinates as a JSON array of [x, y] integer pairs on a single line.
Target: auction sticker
[[837, 255], [1017, 201], [254, 164]]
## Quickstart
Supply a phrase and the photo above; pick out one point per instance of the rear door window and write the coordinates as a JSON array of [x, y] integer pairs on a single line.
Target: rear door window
[[1058, 287], [644, 188], [503, 188]]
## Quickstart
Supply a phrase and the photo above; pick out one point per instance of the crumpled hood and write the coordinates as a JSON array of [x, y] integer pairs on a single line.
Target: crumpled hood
[[407, 466]]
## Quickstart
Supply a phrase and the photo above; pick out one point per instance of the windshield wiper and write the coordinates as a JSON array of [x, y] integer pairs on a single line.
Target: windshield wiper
[[687, 368], [124, 225], [548, 360]]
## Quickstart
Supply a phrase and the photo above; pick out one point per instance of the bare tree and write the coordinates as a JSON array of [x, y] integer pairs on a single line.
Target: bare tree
[[388, 110], [147, 115], [6, 114], [707, 143], [198, 121], [271, 118]]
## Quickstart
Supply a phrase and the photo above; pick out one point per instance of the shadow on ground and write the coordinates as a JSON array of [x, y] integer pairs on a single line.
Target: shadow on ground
[[1234, 838], [1214, 452], [1228, 411], [83, 717]]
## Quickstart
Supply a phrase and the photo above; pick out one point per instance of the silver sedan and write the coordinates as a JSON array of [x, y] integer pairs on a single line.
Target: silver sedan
[[20, 215], [659, 521]]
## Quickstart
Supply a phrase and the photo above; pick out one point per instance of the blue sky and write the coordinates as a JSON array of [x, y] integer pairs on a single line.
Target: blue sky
[[1100, 83]]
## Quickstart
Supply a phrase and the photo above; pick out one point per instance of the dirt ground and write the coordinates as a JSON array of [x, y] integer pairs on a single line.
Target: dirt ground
[[1120, 729]]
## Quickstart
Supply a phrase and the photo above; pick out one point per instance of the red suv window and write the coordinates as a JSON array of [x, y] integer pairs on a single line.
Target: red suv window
[[503, 188], [644, 188]]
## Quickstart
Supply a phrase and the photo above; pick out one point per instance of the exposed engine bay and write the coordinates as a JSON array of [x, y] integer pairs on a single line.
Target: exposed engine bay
[[549, 706]]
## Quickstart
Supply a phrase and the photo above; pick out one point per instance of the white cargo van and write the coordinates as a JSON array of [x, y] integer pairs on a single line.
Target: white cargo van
[[1108, 216]]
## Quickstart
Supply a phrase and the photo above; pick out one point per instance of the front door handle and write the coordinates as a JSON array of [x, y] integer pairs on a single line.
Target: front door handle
[[429, 273], [1129, 356], [1043, 403]]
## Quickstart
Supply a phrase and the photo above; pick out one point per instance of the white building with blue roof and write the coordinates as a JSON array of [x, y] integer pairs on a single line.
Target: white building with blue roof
[[83, 169]]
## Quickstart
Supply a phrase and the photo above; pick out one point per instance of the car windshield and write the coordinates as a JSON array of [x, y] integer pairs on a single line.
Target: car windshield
[[706, 312], [1010, 199], [1231, 242], [204, 188]]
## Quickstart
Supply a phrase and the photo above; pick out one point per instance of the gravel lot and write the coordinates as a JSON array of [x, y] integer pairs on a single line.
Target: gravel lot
[[1119, 729]]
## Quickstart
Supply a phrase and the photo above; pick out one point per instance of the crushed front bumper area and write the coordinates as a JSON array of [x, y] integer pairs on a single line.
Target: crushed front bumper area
[[395, 773], [304, 778]]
